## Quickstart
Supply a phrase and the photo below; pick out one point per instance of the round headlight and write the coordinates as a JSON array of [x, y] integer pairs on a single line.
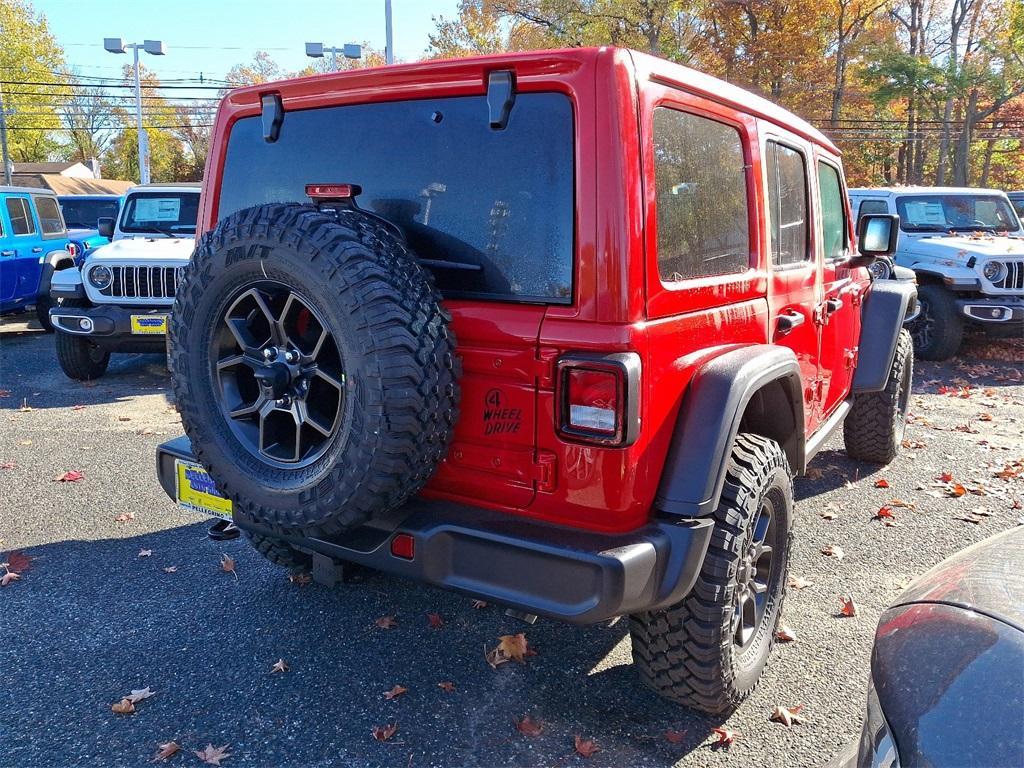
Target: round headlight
[[101, 277], [992, 270]]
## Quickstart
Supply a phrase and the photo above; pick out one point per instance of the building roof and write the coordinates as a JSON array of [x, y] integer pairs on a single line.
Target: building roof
[[42, 167], [72, 185]]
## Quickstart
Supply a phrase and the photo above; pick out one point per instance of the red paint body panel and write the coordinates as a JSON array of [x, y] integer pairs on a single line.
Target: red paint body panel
[[507, 454]]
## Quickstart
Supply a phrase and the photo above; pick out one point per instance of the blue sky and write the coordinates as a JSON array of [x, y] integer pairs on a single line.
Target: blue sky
[[210, 36]]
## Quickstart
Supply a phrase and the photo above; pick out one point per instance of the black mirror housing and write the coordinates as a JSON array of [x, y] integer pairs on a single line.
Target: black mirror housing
[[105, 226], [877, 235]]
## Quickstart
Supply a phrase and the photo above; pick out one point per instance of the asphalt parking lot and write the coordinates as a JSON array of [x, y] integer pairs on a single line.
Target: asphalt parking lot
[[92, 617]]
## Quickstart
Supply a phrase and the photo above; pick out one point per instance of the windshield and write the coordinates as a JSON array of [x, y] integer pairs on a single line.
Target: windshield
[[82, 213], [169, 212], [1018, 204], [490, 212], [955, 213]]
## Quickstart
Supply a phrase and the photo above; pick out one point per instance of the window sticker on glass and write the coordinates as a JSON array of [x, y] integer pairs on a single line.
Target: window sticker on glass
[[926, 213], [157, 209]]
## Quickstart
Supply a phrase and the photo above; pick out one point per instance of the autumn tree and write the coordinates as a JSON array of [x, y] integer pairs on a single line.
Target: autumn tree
[[88, 121]]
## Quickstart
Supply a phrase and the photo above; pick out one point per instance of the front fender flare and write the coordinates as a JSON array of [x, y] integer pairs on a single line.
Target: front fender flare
[[885, 307], [709, 420]]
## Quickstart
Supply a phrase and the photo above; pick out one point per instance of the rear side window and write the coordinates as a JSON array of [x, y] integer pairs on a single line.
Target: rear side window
[[20, 215], [700, 178], [49, 216], [833, 212], [787, 204], [872, 206], [490, 212]]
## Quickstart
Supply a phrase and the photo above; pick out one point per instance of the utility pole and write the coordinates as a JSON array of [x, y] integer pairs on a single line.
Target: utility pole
[[156, 48], [3, 141], [389, 50]]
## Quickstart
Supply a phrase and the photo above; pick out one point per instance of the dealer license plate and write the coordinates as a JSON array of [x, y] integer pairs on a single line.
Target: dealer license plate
[[195, 490], [149, 324]]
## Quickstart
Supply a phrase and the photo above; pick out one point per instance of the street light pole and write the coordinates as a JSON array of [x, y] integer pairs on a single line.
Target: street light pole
[[349, 51], [389, 51], [156, 48], [3, 141]]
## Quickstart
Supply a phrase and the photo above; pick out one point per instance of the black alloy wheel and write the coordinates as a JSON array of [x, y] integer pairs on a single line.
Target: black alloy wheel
[[754, 575], [279, 375]]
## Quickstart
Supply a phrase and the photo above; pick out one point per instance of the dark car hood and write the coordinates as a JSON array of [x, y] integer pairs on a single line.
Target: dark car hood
[[987, 578]]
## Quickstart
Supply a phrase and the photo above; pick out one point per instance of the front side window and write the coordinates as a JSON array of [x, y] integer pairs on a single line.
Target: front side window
[[174, 213], [833, 212], [953, 212], [787, 204], [49, 216], [20, 215], [489, 212], [700, 178]]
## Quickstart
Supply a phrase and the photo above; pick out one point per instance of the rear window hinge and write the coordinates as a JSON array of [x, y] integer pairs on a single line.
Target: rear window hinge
[[544, 475]]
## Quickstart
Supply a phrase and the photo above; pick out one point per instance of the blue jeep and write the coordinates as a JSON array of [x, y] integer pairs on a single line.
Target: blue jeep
[[33, 245], [81, 213]]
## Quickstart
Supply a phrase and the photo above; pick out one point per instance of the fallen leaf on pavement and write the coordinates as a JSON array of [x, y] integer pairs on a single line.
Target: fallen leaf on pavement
[[799, 582], [849, 608], [384, 732], [145, 552], [8, 465], [435, 620], [386, 622], [946, 477], [213, 755], [512, 647], [73, 476], [528, 726], [787, 715], [395, 692], [302, 579], [884, 513], [675, 737], [8, 577], [143, 693], [25, 407], [585, 747], [124, 418], [166, 751], [902, 503], [726, 736], [785, 634], [833, 550], [123, 707], [279, 666], [77, 407], [956, 490], [478, 604], [447, 686], [814, 474], [227, 564], [124, 517], [171, 569], [883, 483]]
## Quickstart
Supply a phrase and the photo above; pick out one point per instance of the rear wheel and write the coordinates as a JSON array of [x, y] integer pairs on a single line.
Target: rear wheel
[[939, 328], [79, 357], [708, 651], [874, 428]]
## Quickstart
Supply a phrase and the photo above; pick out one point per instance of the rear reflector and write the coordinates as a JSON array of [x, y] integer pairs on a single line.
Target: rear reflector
[[403, 546]]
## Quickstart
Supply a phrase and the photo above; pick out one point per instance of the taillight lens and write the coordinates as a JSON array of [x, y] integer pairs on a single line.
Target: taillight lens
[[73, 250], [598, 398]]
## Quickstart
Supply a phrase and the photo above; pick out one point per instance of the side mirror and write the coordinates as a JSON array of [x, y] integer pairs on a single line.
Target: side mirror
[[105, 225], [877, 236]]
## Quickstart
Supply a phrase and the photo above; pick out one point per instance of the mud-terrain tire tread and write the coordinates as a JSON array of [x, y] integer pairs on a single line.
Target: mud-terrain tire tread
[[406, 405], [43, 305], [871, 431], [948, 328], [685, 652], [74, 353], [280, 552]]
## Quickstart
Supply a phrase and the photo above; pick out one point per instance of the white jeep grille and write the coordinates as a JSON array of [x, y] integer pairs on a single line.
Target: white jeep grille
[[1013, 279], [144, 282]]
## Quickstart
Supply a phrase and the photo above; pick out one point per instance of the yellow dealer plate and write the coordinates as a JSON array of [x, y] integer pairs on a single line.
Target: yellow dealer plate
[[149, 324], [195, 490]]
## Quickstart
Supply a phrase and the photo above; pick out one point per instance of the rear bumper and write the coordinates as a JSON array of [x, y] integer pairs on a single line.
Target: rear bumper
[[562, 573]]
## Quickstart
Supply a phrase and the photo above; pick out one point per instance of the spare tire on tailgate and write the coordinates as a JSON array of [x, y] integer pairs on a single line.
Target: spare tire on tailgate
[[314, 367]]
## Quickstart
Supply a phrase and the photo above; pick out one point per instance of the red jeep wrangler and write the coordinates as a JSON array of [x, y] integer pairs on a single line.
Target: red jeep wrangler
[[554, 330]]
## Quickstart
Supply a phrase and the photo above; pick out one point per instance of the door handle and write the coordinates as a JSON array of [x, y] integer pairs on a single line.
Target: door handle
[[788, 321], [8, 253], [37, 249], [833, 305]]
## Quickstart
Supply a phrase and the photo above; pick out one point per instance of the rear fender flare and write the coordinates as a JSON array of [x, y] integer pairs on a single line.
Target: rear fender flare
[[756, 387]]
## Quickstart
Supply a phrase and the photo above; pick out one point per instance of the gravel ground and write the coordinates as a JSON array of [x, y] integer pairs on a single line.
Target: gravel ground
[[91, 619]]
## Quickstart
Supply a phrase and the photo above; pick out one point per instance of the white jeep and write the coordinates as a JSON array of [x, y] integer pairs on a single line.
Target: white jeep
[[119, 300], [966, 248]]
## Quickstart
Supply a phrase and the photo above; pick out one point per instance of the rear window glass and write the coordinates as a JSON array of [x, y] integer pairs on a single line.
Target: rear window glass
[[161, 212], [700, 177], [82, 213], [495, 206], [49, 216], [20, 215]]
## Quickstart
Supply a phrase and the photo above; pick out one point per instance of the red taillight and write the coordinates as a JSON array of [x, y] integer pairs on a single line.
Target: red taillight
[[598, 398], [332, 191], [403, 546], [73, 250]]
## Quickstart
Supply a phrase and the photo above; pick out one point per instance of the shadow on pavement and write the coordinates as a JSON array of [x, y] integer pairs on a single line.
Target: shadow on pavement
[[89, 621]]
